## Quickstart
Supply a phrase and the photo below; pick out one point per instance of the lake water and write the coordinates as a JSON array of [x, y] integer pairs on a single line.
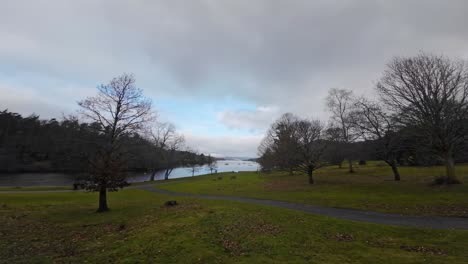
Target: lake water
[[63, 179]]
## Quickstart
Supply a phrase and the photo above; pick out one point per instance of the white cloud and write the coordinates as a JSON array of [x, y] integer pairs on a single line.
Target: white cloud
[[24, 100], [256, 120], [49, 98], [237, 146]]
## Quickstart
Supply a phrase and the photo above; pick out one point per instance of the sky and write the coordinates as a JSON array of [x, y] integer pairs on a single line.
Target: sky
[[220, 70]]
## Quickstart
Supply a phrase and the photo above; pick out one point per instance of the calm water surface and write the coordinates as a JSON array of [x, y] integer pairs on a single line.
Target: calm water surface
[[63, 179]]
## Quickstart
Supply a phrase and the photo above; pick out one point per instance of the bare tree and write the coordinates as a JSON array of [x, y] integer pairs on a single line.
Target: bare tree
[[340, 104], [162, 134], [430, 92], [311, 146], [170, 143], [334, 153], [119, 108], [212, 164], [301, 140], [194, 167], [373, 123]]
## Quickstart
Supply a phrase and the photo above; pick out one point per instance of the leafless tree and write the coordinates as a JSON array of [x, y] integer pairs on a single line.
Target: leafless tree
[[430, 92], [340, 104], [170, 143], [293, 143], [162, 134], [119, 108], [212, 164], [194, 167], [311, 146], [373, 123], [193, 160], [334, 153]]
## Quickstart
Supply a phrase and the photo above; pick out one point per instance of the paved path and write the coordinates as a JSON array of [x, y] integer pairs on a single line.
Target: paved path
[[348, 214]]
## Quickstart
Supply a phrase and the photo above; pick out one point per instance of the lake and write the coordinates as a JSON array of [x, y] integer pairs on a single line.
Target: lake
[[64, 179]]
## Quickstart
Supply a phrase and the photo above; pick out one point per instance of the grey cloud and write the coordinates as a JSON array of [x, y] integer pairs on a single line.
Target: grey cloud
[[264, 48], [267, 52], [22, 101]]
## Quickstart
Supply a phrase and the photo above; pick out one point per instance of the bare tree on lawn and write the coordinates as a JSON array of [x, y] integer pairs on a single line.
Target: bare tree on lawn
[[302, 140], [119, 108], [373, 123], [334, 153], [431, 93], [340, 104], [311, 146]]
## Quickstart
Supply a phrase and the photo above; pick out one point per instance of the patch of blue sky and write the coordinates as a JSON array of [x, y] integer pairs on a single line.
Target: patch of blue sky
[[200, 116]]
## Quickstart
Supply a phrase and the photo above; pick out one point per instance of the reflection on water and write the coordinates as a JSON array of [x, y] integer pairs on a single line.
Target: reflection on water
[[62, 179], [222, 166]]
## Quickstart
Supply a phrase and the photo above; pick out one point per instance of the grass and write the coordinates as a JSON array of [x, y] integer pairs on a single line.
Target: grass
[[371, 187], [38, 188], [63, 228], [60, 188]]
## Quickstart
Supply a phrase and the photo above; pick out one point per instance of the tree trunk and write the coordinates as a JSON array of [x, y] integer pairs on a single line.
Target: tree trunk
[[103, 200], [291, 171], [396, 173], [310, 171], [153, 174], [450, 168], [351, 169]]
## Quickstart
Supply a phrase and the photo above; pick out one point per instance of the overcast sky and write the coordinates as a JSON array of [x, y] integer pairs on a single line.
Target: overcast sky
[[220, 70]]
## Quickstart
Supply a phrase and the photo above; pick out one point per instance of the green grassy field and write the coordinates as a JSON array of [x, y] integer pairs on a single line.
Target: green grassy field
[[38, 188], [370, 188], [63, 228]]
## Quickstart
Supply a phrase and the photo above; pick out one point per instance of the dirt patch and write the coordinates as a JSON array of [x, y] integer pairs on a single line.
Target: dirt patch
[[379, 243], [341, 237], [425, 250]]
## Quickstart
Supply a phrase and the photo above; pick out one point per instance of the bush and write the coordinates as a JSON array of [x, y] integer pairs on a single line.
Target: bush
[[362, 162]]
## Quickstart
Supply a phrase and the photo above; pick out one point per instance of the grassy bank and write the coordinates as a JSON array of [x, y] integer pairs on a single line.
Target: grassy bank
[[63, 228], [370, 188]]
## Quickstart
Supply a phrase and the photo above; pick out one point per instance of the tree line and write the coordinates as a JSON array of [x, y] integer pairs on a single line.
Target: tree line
[[420, 117], [32, 144]]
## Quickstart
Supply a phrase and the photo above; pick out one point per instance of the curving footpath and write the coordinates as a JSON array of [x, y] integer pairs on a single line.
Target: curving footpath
[[434, 222]]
